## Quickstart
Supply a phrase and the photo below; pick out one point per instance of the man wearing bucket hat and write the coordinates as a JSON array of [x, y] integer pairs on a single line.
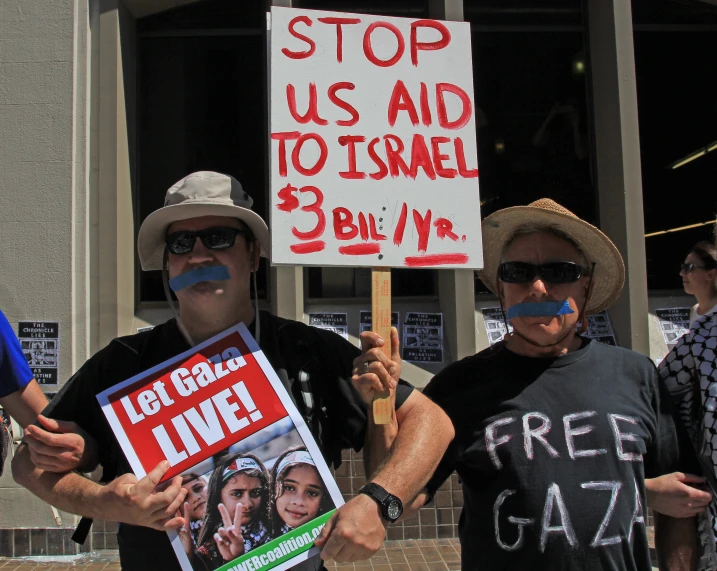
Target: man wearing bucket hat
[[555, 433], [207, 242]]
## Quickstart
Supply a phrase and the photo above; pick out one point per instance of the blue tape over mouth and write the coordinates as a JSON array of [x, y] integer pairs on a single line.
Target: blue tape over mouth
[[193, 277], [540, 309]]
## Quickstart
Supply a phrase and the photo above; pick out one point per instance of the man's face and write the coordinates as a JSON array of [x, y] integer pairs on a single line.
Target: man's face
[[238, 258], [541, 248]]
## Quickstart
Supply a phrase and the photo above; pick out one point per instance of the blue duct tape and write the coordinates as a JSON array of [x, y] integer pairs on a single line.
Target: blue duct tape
[[205, 274], [540, 309]]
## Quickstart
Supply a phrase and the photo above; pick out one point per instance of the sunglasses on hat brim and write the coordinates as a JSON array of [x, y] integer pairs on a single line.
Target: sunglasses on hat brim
[[215, 238], [552, 272]]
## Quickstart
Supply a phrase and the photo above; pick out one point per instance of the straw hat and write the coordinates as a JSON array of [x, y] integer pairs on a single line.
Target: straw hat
[[201, 193], [499, 227]]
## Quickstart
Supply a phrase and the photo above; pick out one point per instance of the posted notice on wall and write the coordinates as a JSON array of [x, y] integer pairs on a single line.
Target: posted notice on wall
[[422, 337], [373, 142], [221, 417], [336, 322], [40, 342], [674, 323], [494, 324], [600, 329]]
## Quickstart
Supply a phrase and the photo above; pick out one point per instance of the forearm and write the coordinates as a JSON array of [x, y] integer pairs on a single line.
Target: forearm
[[423, 436], [676, 542], [24, 405], [68, 492], [378, 442]]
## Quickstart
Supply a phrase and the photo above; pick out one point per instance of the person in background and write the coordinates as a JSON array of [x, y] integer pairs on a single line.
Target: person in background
[[56, 446], [699, 278], [690, 374]]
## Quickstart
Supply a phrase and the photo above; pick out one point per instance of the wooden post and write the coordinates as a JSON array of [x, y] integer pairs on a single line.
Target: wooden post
[[381, 324]]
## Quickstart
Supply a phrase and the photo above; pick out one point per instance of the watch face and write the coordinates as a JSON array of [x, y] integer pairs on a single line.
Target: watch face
[[394, 510]]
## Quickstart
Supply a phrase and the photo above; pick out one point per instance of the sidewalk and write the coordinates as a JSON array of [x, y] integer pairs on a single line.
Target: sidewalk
[[405, 555]]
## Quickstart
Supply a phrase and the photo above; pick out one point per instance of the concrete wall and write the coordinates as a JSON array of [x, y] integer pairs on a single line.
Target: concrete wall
[[44, 190]]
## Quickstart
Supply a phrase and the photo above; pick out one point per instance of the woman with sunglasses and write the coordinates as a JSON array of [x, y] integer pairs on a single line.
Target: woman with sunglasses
[[699, 278]]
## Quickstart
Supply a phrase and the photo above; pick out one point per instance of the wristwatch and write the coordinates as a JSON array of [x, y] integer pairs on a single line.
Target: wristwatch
[[391, 506]]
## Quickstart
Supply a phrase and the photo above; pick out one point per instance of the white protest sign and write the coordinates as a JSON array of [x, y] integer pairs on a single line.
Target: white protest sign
[[373, 144]]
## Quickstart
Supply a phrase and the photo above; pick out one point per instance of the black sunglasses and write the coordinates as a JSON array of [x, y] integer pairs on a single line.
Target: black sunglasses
[[552, 272], [215, 238], [687, 268]]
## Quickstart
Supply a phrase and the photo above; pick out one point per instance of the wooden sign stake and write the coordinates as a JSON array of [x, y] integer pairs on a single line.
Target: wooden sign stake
[[381, 324]]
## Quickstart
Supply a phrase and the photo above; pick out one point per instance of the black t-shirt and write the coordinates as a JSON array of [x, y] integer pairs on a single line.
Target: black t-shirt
[[322, 360], [552, 454]]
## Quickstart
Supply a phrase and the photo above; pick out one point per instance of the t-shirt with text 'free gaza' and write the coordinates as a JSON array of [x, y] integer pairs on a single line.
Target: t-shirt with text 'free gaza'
[[553, 454]]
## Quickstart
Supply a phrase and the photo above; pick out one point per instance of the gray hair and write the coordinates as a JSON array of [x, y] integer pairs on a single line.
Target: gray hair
[[532, 228]]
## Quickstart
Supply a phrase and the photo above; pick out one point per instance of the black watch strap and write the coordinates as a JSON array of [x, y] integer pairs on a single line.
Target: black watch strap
[[391, 507]]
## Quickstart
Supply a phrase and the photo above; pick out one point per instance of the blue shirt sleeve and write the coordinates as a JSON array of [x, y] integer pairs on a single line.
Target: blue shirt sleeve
[[15, 373]]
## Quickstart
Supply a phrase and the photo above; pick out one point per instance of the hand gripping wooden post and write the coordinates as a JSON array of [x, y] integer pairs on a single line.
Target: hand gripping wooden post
[[381, 324]]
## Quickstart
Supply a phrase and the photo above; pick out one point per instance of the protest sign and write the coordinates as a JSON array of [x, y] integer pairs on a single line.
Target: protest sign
[[222, 418], [373, 148]]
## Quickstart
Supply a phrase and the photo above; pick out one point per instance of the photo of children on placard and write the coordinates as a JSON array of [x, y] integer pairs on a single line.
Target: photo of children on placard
[[258, 490]]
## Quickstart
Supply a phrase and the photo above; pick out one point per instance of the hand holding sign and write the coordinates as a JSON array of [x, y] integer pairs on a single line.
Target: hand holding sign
[[373, 371], [354, 533], [140, 502], [229, 539]]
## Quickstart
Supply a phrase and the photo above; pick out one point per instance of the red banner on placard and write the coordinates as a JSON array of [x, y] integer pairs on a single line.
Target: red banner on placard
[[198, 406]]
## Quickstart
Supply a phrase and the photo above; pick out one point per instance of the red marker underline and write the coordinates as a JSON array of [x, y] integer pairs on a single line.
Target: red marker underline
[[436, 260]]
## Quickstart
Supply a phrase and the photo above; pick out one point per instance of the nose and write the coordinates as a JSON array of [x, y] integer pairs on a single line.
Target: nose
[[200, 253], [537, 287]]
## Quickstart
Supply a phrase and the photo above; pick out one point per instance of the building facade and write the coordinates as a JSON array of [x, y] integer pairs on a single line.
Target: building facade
[[105, 103]]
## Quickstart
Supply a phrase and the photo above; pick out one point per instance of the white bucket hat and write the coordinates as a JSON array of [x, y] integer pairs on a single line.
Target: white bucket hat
[[609, 275], [203, 193]]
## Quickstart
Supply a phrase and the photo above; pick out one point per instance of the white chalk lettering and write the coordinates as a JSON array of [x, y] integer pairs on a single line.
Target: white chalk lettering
[[165, 443], [210, 429], [183, 382], [554, 497], [133, 415], [521, 522], [624, 436], [637, 515], [571, 433], [491, 442], [599, 540], [537, 433]]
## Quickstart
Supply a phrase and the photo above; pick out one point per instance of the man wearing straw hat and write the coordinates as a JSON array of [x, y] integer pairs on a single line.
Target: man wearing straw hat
[[555, 433], [207, 241]]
